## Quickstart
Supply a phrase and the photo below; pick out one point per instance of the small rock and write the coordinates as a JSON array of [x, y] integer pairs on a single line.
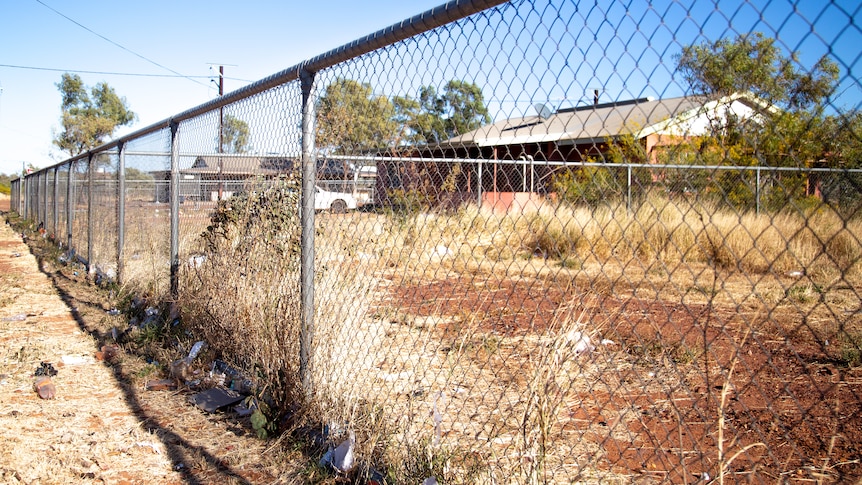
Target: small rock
[[108, 353], [44, 387], [161, 385]]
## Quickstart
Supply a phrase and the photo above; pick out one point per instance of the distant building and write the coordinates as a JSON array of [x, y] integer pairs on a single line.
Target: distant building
[[520, 155]]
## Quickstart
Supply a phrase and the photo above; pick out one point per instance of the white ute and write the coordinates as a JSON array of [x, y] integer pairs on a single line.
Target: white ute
[[335, 202]]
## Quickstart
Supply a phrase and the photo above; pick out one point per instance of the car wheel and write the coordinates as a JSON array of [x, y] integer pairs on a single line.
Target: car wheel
[[338, 207]]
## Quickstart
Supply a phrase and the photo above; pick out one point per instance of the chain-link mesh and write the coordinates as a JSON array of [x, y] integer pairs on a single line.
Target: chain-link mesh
[[553, 242]]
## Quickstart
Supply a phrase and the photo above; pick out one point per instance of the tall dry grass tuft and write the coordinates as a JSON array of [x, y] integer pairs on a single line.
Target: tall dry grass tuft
[[554, 366], [243, 296], [659, 228]]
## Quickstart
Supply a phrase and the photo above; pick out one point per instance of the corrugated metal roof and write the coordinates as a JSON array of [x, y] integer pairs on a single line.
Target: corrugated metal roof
[[240, 165], [588, 124]]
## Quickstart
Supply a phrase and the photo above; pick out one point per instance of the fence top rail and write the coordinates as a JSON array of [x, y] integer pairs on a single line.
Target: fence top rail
[[563, 163], [423, 22]]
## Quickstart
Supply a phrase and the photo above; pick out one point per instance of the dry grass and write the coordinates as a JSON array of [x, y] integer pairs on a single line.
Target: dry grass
[[671, 232]]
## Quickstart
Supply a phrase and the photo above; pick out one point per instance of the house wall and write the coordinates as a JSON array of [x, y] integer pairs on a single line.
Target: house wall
[[653, 144]]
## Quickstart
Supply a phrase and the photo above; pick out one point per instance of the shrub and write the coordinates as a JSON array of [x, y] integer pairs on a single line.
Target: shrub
[[244, 298]]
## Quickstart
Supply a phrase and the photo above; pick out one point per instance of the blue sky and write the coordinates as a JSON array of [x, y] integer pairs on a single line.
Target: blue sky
[[259, 37], [626, 48]]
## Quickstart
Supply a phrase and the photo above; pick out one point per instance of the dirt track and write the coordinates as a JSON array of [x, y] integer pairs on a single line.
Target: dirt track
[[103, 426], [89, 432]]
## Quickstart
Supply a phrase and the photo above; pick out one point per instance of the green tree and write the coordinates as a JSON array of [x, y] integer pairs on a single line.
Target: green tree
[[350, 118], [460, 108], [89, 119], [235, 135], [6, 183], [138, 175], [796, 132], [753, 63], [406, 109]]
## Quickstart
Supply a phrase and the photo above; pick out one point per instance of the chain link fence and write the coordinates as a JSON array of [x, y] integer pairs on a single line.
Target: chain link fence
[[521, 242]]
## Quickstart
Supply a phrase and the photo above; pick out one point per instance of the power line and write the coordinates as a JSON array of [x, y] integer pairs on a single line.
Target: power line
[[118, 45], [78, 71], [110, 73]]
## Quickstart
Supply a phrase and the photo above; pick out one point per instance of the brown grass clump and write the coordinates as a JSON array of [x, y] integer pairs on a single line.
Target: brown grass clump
[[242, 295], [673, 232]]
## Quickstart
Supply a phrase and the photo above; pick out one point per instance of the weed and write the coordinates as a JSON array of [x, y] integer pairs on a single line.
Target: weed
[[547, 390], [704, 290], [490, 343], [851, 348], [448, 465], [148, 371], [805, 293], [656, 351], [261, 420], [571, 263], [150, 333]]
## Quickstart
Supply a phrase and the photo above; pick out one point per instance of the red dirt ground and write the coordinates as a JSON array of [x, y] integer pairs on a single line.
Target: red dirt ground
[[792, 401]]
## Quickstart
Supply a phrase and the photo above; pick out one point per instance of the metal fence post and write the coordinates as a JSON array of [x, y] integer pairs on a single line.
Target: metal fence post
[[90, 211], [70, 205], [44, 219], [306, 341], [31, 196], [26, 197], [757, 192], [121, 208], [40, 198], [55, 218], [175, 210], [33, 204], [479, 185], [629, 189], [38, 203]]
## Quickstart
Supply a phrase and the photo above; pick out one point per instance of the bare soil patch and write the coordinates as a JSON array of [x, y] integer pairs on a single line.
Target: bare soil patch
[[790, 399]]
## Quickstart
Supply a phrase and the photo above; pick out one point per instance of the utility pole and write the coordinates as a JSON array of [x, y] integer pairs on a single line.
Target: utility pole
[[220, 149]]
